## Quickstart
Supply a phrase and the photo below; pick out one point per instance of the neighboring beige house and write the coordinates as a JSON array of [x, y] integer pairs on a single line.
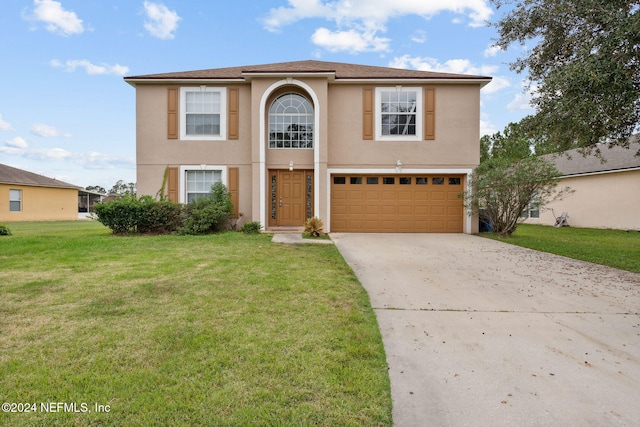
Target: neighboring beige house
[[26, 196], [606, 194], [363, 148]]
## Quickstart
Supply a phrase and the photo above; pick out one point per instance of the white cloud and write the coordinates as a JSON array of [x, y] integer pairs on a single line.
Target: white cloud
[[4, 126], [359, 21], [419, 37], [89, 160], [492, 50], [46, 131], [456, 66], [56, 19], [523, 100], [16, 142], [161, 22], [350, 41], [92, 69], [497, 83]]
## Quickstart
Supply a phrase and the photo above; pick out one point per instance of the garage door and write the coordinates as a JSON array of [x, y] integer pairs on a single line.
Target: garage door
[[397, 203]]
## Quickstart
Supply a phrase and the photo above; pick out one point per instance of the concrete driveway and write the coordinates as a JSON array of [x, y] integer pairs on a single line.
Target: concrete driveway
[[482, 333]]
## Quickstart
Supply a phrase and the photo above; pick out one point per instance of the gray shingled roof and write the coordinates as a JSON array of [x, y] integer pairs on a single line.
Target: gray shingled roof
[[9, 175], [341, 70], [616, 158]]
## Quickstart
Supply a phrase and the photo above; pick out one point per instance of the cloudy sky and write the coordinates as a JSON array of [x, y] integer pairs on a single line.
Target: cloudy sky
[[66, 113]]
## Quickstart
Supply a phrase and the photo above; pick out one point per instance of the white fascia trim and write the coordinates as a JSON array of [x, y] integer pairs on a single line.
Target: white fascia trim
[[135, 82], [182, 185], [394, 171], [422, 82], [263, 145]]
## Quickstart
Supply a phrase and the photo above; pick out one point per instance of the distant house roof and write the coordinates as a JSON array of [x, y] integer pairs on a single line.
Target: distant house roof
[[337, 69], [616, 158], [9, 175]]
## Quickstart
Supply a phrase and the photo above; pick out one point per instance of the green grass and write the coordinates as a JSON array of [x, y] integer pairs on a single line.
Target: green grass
[[614, 248], [225, 330]]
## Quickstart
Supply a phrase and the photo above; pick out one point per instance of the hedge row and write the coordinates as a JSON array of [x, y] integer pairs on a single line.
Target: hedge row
[[130, 214]]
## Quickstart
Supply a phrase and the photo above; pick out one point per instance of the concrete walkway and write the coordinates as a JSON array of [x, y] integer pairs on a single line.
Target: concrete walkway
[[481, 333]]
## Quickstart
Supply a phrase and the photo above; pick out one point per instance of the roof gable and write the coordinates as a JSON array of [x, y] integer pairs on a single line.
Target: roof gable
[[341, 70], [616, 158], [9, 175]]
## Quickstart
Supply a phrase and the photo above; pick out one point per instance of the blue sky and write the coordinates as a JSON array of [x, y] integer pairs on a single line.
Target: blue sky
[[66, 113]]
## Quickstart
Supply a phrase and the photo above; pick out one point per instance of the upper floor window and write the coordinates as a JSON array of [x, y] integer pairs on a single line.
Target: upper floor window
[[291, 122], [399, 113], [203, 113]]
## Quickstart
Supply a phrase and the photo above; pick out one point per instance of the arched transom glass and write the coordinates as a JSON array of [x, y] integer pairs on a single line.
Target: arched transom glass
[[291, 122]]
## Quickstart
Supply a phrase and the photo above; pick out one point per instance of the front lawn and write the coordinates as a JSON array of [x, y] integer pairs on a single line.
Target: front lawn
[[222, 330], [614, 248]]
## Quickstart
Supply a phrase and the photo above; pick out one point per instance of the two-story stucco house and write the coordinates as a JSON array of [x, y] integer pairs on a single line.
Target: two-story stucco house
[[368, 149]]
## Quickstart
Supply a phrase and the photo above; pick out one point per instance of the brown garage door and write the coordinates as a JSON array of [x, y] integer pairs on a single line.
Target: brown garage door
[[397, 203]]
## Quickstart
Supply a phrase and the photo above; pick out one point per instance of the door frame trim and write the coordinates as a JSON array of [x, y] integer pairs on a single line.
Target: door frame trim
[[467, 223], [264, 184]]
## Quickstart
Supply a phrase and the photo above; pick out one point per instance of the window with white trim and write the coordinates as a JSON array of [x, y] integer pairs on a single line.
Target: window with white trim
[[203, 114], [15, 200], [199, 183], [291, 122], [398, 113]]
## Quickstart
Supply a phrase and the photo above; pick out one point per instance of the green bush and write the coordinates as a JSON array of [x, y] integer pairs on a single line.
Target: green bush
[[208, 214], [129, 214], [4, 230], [121, 214], [252, 227]]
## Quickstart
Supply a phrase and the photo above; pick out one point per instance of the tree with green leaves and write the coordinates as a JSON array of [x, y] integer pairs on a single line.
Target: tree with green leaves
[[121, 189], [96, 189], [509, 180], [584, 64]]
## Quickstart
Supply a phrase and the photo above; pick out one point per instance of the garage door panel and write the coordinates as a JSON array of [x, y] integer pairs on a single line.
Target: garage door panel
[[392, 204]]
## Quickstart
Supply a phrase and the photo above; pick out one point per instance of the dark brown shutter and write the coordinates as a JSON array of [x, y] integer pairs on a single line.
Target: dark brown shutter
[[368, 113], [430, 113], [233, 113], [234, 184], [172, 113], [172, 184]]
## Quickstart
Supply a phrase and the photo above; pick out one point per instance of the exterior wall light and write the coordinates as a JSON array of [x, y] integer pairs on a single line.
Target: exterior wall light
[[290, 165]]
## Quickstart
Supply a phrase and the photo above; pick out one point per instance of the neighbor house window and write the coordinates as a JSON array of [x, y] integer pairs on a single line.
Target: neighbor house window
[[291, 122], [203, 113], [15, 200], [533, 209], [399, 113]]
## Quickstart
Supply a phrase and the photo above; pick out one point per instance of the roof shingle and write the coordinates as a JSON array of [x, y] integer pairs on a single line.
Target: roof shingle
[[10, 175], [616, 158], [341, 70]]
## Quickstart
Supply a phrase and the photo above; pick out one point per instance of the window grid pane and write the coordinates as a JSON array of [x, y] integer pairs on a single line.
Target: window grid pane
[[291, 122], [199, 183], [398, 113]]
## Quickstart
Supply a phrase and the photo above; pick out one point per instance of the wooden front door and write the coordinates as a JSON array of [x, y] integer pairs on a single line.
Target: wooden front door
[[291, 196]]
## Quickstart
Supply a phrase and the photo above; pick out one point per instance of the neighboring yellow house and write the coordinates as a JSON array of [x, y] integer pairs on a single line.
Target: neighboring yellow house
[[367, 149], [606, 194], [26, 196]]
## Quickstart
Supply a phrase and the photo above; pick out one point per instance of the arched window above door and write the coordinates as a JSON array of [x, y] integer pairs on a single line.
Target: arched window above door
[[291, 122]]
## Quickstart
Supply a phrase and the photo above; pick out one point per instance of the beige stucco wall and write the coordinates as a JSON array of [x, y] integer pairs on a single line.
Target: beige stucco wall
[[457, 132], [340, 142], [40, 204], [609, 200]]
